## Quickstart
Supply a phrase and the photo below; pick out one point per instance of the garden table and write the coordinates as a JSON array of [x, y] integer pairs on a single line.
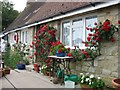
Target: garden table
[[64, 61]]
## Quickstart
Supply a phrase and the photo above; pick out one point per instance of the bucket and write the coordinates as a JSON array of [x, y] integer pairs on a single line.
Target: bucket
[[69, 84]]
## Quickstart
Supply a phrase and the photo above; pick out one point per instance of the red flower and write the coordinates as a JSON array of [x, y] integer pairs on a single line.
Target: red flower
[[87, 28], [36, 45], [88, 38], [30, 46], [93, 43], [48, 65], [69, 54], [95, 35], [97, 38], [86, 44], [96, 29], [75, 46], [32, 42], [59, 51], [106, 28], [47, 38], [68, 49], [84, 52], [106, 23], [34, 53], [35, 37], [112, 39], [90, 34], [90, 29], [86, 56], [95, 23], [43, 50], [47, 61], [97, 32], [38, 41]]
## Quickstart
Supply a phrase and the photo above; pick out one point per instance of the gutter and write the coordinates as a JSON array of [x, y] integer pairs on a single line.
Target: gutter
[[83, 10]]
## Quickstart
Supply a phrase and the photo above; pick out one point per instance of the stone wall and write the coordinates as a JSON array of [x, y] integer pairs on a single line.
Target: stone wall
[[106, 65]]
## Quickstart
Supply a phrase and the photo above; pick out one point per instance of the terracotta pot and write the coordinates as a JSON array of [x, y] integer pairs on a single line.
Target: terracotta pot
[[6, 71], [85, 87], [116, 83]]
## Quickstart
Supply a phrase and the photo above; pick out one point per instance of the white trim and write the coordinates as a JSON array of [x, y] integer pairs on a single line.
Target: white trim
[[87, 9]]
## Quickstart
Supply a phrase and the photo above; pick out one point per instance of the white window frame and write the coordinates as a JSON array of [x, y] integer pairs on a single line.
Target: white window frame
[[24, 38], [84, 28]]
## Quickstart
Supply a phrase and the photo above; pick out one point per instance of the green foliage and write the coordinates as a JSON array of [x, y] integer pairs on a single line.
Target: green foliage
[[42, 42], [91, 81], [57, 46], [6, 56], [8, 14], [15, 57]]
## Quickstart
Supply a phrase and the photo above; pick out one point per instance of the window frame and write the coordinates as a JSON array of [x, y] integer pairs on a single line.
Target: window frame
[[71, 22]]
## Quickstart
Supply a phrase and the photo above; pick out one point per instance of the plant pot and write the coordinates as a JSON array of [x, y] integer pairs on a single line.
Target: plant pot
[[62, 54], [6, 71], [116, 83], [21, 66], [85, 87]]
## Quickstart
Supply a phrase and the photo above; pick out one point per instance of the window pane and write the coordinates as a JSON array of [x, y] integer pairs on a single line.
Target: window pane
[[66, 34], [90, 23], [26, 37], [22, 37], [77, 33]]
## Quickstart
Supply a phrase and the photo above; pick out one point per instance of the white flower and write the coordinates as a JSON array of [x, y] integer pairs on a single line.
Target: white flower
[[92, 76], [90, 83], [99, 77], [81, 74], [87, 79], [83, 77], [82, 81]]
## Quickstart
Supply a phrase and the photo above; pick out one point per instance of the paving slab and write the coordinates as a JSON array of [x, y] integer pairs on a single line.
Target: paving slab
[[25, 79]]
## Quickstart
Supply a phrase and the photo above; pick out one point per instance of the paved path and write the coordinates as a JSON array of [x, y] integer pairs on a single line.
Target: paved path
[[26, 79]]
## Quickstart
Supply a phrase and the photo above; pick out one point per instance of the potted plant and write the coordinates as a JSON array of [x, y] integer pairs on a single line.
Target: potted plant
[[58, 49], [91, 82], [116, 83]]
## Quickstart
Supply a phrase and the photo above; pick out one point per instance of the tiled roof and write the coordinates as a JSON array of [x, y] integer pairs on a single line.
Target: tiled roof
[[38, 11]]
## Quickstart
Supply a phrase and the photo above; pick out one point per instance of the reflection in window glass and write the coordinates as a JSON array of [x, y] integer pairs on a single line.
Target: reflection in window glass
[[90, 23], [66, 34], [77, 33]]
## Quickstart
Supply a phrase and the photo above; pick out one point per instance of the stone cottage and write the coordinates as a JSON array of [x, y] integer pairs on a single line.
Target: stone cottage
[[71, 19]]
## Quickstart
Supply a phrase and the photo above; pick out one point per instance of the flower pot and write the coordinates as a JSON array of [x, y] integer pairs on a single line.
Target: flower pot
[[6, 71], [62, 54], [85, 87], [116, 83], [21, 66]]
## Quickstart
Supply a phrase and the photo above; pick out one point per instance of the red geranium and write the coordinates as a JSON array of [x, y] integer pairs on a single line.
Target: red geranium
[[88, 38], [69, 54], [112, 39]]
